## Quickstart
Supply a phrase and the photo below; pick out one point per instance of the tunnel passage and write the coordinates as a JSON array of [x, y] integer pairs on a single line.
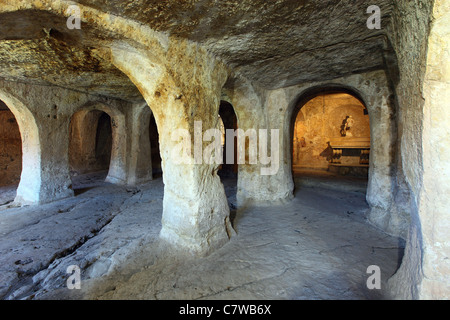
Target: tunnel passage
[[10, 148], [228, 172], [228, 121], [332, 136], [154, 145]]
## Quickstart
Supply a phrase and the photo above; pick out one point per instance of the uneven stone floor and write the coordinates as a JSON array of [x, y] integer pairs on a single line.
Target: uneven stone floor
[[317, 246]]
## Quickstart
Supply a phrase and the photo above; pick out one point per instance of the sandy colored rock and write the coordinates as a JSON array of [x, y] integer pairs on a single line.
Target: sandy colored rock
[[149, 68]]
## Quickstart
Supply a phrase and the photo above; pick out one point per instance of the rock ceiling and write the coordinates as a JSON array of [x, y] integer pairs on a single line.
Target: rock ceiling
[[275, 43]]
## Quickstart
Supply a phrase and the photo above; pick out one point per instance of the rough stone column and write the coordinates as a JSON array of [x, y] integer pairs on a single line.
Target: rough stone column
[[435, 201], [139, 164], [184, 87], [380, 188], [83, 127], [44, 129], [424, 92], [117, 173], [54, 163], [260, 183]]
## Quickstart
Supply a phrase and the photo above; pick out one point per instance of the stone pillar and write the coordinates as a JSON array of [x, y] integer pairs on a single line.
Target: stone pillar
[[139, 164], [83, 132], [381, 184], [183, 87], [434, 202], [88, 115], [44, 130], [261, 183], [425, 266], [117, 173], [54, 165]]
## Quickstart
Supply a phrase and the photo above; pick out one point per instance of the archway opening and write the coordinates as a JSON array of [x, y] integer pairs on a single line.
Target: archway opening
[[331, 140], [155, 152], [90, 146], [228, 121], [10, 154], [228, 172]]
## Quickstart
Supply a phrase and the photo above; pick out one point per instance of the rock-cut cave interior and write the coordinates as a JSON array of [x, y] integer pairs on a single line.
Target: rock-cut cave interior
[[189, 150]]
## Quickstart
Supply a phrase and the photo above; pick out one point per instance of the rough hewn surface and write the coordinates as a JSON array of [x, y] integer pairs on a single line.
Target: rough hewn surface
[[90, 142], [41, 50], [422, 93], [275, 43], [304, 256], [410, 27], [436, 158], [279, 108], [43, 115], [183, 57], [181, 89], [28, 247]]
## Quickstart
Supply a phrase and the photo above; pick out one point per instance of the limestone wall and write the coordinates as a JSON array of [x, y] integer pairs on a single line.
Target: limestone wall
[[90, 142], [43, 115], [181, 82], [408, 35], [420, 36]]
